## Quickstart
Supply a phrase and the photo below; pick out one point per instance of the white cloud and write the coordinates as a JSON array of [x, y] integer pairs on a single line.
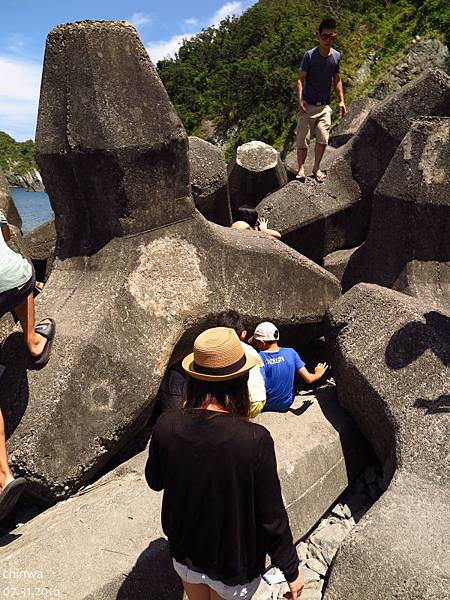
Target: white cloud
[[140, 19], [192, 22], [166, 48], [19, 96], [227, 10]]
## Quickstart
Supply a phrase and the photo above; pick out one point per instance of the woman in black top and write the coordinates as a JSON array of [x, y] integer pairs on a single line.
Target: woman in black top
[[222, 508]]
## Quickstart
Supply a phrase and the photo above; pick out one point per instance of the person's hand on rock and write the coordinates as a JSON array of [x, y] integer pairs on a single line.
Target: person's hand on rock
[[320, 369], [262, 223], [296, 587]]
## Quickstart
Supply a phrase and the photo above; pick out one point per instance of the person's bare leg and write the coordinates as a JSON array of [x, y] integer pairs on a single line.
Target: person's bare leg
[[301, 157], [214, 595], [196, 591], [5, 472], [25, 314], [318, 154]]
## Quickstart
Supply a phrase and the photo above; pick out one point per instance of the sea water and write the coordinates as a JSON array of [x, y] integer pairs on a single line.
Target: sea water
[[33, 207]]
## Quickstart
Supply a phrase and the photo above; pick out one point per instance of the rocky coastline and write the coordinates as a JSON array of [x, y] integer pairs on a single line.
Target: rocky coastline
[[30, 180]]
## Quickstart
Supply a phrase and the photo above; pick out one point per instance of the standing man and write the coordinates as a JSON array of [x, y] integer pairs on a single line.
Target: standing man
[[319, 69]]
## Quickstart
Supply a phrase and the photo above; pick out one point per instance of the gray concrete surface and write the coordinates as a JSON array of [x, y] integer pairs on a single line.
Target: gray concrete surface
[[107, 542]]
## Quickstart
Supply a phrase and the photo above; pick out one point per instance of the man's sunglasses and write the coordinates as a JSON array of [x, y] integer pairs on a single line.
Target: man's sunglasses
[[327, 36]]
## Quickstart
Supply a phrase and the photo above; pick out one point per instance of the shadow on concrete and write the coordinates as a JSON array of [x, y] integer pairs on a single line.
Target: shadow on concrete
[[301, 409], [152, 576], [431, 407], [412, 340], [8, 538], [14, 392]]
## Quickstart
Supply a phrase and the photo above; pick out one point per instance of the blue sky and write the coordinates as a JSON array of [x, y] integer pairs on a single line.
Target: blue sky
[[24, 26]]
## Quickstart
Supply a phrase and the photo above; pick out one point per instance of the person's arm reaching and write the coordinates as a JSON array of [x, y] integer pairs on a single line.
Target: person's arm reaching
[[313, 377], [272, 519], [339, 88], [262, 224]]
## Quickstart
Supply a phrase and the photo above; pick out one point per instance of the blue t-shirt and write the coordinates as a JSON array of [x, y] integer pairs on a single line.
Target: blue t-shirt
[[320, 72], [279, 370]]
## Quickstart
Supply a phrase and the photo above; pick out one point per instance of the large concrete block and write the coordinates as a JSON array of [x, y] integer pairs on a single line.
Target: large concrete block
[[255, 170], [7, 205], [124, 310], [358, 112], [291, 163], [336, 262], [110, 147], [209, 181], [319, 218], [391, 360], [408, 245], [378, 138], [113, 527]]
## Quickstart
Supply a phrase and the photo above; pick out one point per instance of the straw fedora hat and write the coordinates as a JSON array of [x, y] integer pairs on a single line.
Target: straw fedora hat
[[218, 356]]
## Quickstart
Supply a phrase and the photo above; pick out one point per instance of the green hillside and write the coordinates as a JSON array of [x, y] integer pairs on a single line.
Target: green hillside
[[15, 157], [241, 76]]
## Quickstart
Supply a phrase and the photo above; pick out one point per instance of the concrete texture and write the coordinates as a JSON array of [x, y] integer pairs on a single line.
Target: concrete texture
[[358, 112], [291, 163], [113, 530], [209, 182], [391, 360], [41, 243], [124, 311], [254, 171], [7, 205], [379, 137], [318, 218], [408, 245], [336, 262]]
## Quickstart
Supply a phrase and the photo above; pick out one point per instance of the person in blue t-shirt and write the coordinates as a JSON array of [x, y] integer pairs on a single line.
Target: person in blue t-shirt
[[279, 368]]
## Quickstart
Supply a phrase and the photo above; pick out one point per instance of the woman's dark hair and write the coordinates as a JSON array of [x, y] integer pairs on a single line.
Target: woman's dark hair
[[328, 23], [231, 395], [231, 319], [247, 214]]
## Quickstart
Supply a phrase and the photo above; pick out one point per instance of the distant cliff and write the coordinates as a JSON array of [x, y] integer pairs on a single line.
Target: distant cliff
[[17, 163]]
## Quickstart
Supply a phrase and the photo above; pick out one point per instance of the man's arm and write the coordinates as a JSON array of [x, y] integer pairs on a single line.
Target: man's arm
[[339, 88], [300, 82], [313, 377]]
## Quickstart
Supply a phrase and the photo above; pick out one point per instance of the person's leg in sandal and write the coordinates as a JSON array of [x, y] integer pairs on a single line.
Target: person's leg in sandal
[[10, 488], [322, 129], [303, 138], [6, 475], [25, 314]]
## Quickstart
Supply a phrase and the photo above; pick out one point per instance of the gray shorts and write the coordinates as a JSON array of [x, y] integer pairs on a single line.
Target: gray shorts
[[227, 592]]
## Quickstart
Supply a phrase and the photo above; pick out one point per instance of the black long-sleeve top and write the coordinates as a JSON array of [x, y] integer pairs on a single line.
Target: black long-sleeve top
[[222, 508]]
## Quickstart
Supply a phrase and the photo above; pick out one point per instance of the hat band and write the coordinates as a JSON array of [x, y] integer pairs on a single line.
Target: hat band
[[228, 370]]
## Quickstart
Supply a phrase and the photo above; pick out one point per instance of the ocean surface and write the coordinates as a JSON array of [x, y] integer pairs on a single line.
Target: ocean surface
[[33, 207]]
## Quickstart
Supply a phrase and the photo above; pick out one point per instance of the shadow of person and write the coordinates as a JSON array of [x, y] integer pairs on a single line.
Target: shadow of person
[[14, 391], [412, 340], [439, 405], [152, 576]]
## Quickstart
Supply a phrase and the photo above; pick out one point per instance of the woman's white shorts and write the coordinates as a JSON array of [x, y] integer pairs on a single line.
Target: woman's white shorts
[[227, 592]]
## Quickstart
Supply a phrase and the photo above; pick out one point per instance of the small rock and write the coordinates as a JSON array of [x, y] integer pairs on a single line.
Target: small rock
[[311, 594], [302, 551], [316, 552], [329, 539], [316, 565], [310, 575], [347, 511], [338, 510]]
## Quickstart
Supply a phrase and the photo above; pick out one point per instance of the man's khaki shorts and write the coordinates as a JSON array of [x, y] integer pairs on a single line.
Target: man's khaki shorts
[[315, 122]]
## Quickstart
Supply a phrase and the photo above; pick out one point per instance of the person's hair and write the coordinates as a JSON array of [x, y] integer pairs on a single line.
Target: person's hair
[[247, 214], [328, 23], [231, 319], [231, 395]]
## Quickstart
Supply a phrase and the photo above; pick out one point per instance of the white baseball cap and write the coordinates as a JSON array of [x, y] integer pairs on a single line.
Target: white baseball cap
[[266, 332]]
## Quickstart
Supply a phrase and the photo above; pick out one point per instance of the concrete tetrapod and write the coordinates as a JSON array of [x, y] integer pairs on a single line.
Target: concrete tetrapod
[[358, 112], [132, 277], [41, 243], [319, 218], [113, 527], [391, 360], [255, 170], [209, 181], [408, 245]]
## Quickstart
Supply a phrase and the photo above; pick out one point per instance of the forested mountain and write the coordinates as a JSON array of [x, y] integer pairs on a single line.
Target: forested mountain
[[237, 81]]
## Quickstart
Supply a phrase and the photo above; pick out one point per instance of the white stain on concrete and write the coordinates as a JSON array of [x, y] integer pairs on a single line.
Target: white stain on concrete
[[168, 281]]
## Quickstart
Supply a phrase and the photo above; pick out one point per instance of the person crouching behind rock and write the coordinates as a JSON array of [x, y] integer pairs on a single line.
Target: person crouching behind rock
[[248, 220], [279, 368], [222, 507]]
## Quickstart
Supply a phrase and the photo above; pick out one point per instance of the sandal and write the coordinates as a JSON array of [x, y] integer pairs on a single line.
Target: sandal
[[320, 178], [10, 495], [47, 330]]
